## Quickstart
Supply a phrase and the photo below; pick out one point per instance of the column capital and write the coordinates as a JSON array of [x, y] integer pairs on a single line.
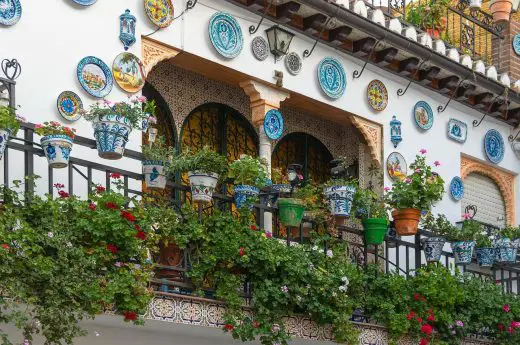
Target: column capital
[[262, 98]]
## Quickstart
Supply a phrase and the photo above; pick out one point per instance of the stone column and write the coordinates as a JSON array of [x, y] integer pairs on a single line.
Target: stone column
[[262, 99]]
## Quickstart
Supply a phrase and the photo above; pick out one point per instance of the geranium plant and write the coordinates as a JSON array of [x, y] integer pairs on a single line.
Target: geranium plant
[[367, 204], [132, 111], [438, 226], [510, 232], [466, 232], [204, 160], [9, 120], [54, 128], [159, 151], [248, 171]]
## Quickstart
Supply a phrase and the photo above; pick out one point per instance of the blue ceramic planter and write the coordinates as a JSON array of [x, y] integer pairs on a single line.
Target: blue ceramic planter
[[57, 149], [340, 199], [432, 247], [463, 251], [245, 195], [4, 137], [485, 256], [506, 251], [279, 189], [111, 133]]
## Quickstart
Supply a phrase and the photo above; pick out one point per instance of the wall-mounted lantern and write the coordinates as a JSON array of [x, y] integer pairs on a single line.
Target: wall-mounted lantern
[[127, 29], [395, 131], [279, 41]]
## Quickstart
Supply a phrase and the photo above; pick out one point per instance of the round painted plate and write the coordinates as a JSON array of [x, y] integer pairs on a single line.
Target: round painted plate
[[423, 115], [273, 124], [10, 12], [259, 48], [128, 72], [293, 63], [160, 12], [377, 95], [494, 146], [332, 77], [69, 105], [457, 188], [396, 166], [225, 35], [85, 2], [95, 77], [516, 44]]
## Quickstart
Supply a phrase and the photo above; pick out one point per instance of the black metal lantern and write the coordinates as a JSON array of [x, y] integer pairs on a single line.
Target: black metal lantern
[[279, 41]]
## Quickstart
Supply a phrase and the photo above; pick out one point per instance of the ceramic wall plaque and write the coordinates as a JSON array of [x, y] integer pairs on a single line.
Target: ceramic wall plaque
[[69, 105], [225, 35], [95, 76], [396, 166], [129, 72], [395, 131], [457, 130], [377, 95], [457, 188], [160, 12], [293, 63], [273, 124], [332, 77], [494, 146], [127, 29], [260, 48], [516, 44], [423, 115], [85, 2], [10, 12]]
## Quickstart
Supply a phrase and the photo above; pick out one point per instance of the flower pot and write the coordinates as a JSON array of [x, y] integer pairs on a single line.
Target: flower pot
[[475, 4], [432, 247], [244, 195], [57, 149], [291, 211], [111, 133], [505, 251], [4, 137], [202, 185], [406, 221], [463, 251], [279, 190], [434, 33], [154, 176], [340, 199], [501, 10], [485, 256], [375, 230]]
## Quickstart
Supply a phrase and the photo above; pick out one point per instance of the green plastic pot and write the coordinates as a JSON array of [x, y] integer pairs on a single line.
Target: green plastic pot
[[291, 211], [375, 230]]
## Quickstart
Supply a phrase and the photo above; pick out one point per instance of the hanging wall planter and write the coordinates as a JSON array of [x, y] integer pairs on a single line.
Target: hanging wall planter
[[375, 230], [432, 247], [57, 149], [501, 10], [463, 251], [406, 221], [202, 185], [245, 195], [4, 138], [111, 133], [340, 199], [485, 256], [506, 251], [154, 174], [291, 211]]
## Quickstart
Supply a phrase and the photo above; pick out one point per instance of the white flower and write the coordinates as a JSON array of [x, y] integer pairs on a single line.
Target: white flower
[[311, 266], [329, 253], [50, 234], [315, 248], [343, 288], [299, 298], [344, 279], [334, 294]]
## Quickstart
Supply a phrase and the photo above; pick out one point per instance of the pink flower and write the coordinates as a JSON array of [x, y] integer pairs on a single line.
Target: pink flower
[[141, 99], [152, 119], [38, 126], [466, 216], [268, 234], [418, 170], [459, 323], [506, 308], [118, 264], [108, 103], [423, 151], [284, 289], [408, 180], [437, 163], [387, 189], [515, 324]]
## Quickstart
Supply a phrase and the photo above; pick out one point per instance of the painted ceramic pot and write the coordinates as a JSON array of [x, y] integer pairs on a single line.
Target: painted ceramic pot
[[244, 195], [111, 133], [291, 211], [485, 256], [432, 247], [278, 190], [154, 175], [4, 138], [202, 185], [406, 221], [375, 230], [506, 250], [340, 199], [57, 149], [463, 251]]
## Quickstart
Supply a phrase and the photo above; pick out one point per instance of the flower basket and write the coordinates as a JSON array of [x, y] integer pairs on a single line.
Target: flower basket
[[57, 149], [506, 251], [244, 195], [432, 247], [485, 256], [501, 10], [463, 251], [202, 185], [4, 137], [111, 133], [154, 174], [406, 221], [291, 211], [340, 199], [375, 230]]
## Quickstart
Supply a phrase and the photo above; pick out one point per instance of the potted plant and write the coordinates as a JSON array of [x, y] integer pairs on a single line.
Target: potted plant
[[292, 209], [429, 15], [507, 244], [374, 218], [280, 186], [501, 10], [157, 163], [113, 123], [9, 125], [339, 194], [439, 227], [484, 248], [56, 143], [204, 169], [249, 175], [149, 112], [416, 193], [463, 240]]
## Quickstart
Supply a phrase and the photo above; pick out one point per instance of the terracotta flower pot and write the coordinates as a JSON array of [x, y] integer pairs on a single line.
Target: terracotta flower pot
[[434, 33], [406, 221], [501, 10]]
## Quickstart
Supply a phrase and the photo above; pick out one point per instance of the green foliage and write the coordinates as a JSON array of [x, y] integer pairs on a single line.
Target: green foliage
[[341, 182], [249, 171], [367, 204], [428, 14], [54, 128], [150, 108], [467, 232], [159, 151], [484, 240], [204, 160], [278, 177], [440, 225], [131, 111], [9, 120], [511, 232]]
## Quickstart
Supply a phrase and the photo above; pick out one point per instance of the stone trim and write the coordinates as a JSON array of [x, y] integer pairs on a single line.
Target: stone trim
[[153, 52], [373, 134]]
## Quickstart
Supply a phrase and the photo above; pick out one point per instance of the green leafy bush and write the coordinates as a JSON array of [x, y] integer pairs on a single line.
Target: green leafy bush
[[249, 171], [204, 160], [9, 120], [439, 226]]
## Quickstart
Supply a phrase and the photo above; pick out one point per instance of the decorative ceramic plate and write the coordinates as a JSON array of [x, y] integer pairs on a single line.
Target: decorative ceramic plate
[[10, 12], [95, 77], [128, 72], [259, 48], [494, 146], [273, 124], [225, 35], [396, 166], [516, 44], [457, 188], [377, 95], [160, 12], [457, 130], [423, 115], [332, 77], [293, 63], [85, 2], [69, 105]]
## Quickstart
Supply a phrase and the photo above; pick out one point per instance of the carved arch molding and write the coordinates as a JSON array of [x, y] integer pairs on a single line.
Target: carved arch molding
[[373, 134], [153, 52], [504, 180]]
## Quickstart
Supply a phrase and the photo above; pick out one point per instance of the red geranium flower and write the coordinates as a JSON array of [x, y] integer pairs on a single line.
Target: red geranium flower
[[419, 319], [63, 194], [427, 329], [59, 186], [111, 205], [115, 175], [141, 235], [431, 318], [416, 296], [130, 316], [128, 216], [229, 327], [506, 308], [253, 227], [5, 246], [424, 341], [411, 315], [100, 189], [500, 327], [112, 248], [242, 251], [137, 227], [92, 206]]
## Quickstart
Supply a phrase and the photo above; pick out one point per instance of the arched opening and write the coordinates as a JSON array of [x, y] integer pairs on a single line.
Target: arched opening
[[302, 148], [482, 191], [165, 124]]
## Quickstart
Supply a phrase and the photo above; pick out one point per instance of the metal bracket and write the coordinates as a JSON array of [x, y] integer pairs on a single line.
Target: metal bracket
[[252, 28], [308, 53], [190, 4], [500, 101], [401, 92], [471, 210], [464, 83], [512, 138], [13, 64], [357, 74]]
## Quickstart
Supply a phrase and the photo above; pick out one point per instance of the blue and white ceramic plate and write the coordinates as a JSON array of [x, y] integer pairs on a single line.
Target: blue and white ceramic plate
[[69, 105], [85, 2], [95, 76], [494, 146], [423, 115], [273, 124], [225, 35], [457, 130], [10, 12], [332, 77], [516, 44], [457, 188]]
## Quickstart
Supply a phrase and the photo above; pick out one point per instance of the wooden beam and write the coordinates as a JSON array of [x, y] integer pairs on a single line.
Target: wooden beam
[[463, 93], [255, 4], [314, 23], [285, 12], [408, 66], [481, 100], [364, 46], [513, 117], [339, 35], [426, 76], [385, 57], [445, 85]]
